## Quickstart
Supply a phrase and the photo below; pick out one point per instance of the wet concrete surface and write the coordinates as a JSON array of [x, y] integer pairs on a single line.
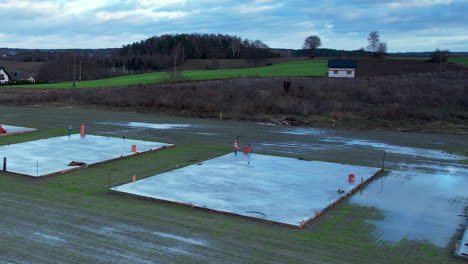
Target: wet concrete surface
[[420, 197], [463, 250], [278, 189], [45, 156], [11, 130]]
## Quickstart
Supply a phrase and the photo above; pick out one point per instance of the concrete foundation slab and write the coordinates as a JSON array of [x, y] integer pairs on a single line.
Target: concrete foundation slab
[[52, 155], [463, 249], [275, 189], [14, 130]]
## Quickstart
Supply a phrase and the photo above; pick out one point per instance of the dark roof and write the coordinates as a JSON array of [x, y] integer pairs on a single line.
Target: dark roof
[[9, 77], [342, 64]]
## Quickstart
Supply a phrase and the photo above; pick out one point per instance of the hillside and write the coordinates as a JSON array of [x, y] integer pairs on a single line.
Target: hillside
[[296, 68], [223, 64], [31, 68]]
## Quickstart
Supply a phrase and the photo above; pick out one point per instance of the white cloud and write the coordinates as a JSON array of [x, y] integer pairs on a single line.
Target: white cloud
[[256, 6], [417, 3], [81, 6], [139, 15], [31, 7], [157, 3], [57, 41], [405, 25]]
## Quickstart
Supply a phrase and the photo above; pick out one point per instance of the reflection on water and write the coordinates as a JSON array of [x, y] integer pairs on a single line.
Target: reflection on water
[[417, 204], [422, 195], [322, 136], [143, 125]]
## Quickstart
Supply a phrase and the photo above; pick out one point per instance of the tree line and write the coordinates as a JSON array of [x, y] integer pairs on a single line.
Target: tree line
[[160, 52]]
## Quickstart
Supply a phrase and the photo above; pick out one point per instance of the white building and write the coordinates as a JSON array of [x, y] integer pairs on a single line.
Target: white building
[[4, 76], [342, 68]]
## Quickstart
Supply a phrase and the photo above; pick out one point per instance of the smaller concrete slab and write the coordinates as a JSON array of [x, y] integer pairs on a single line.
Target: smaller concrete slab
[[275, 189], [43, 157], [463, 250], [14, 130]]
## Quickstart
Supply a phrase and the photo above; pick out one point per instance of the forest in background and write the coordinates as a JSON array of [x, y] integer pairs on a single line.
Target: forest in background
[[154, 54]]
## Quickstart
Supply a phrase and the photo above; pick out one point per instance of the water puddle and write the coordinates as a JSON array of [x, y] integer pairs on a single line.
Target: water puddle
[[329, 140], [49, 237], [181, 239], [418, 204], [142, 125], [157, 126]]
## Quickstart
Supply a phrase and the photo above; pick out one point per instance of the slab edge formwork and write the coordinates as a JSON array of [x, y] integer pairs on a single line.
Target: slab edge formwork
[[93, 164], [302, 225], [461, 248], [141, 197], [344, 197]]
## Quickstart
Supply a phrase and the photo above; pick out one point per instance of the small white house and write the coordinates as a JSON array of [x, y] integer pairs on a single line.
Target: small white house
[[4, 76], [342, 68]]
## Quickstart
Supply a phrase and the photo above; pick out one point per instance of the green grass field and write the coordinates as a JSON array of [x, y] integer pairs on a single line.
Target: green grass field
[[462, 60], [296, 68]]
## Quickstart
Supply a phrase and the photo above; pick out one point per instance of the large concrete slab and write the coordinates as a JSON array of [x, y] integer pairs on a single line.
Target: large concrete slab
[[13, 130], [51, 155], [277, 189]]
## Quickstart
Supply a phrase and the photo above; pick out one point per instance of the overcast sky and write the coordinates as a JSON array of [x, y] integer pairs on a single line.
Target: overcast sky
[[406, 25]]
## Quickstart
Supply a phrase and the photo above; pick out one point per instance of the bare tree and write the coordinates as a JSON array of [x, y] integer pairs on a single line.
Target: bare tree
[[373, 40], [236, 46], [382, 49], [259, 45], [312, 43], [176, 52], [439, 56]]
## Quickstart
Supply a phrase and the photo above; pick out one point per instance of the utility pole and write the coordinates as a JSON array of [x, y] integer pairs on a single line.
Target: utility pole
[[440, 61], [79, 78], [74, 55]]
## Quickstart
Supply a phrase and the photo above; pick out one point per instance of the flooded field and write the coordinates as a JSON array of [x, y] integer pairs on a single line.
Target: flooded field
[[420, 197]]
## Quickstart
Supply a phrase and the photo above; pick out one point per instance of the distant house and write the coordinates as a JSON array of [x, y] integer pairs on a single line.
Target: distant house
[[342, 68], [23, 76], [4, 76]]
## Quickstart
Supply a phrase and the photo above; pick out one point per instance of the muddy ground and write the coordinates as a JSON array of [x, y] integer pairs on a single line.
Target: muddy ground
[[407, 216]]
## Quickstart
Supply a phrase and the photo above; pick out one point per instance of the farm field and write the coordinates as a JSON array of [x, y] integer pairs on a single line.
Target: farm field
[[408, 58], [407, 216], [222, 64], [14, 66], [462, 60], [296, 68]]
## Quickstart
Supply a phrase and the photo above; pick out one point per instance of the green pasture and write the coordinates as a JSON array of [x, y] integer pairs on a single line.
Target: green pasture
[[462, 60], [296, 68]]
